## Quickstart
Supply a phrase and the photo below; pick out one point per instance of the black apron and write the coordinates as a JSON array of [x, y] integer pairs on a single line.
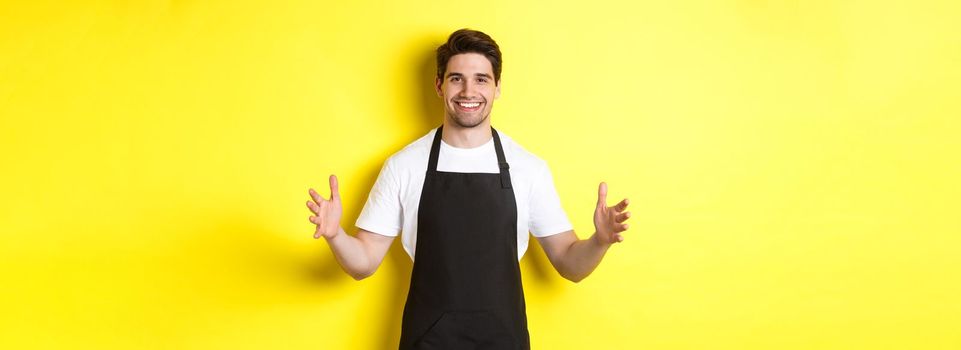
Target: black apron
[[465, 289]]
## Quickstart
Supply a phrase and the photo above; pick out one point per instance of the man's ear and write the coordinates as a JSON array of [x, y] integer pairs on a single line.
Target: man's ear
[[497, 90], [437, 87]]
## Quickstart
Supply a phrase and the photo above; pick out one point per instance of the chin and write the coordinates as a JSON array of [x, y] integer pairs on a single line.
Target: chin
[[468, 122]]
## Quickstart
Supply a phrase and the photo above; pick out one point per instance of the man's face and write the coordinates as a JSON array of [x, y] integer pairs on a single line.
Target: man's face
[[468, 89]]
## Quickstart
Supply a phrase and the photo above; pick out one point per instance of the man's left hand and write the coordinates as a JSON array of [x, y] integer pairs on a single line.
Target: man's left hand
[[609, 221]]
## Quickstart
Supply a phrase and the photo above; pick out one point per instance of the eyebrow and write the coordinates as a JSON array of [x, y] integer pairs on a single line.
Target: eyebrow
[[485, 75]]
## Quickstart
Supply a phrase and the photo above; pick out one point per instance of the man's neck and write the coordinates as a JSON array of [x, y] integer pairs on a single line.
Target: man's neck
[[461, 137]]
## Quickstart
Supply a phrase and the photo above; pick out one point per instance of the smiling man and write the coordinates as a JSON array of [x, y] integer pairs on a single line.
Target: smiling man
[[465, 198]]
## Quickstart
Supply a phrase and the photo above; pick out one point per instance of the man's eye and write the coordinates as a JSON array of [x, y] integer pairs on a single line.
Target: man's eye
[[482, 80], [455, 79]]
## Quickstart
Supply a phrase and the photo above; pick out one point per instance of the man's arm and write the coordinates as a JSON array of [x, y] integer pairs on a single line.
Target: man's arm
[[359, 255], [575, 259]]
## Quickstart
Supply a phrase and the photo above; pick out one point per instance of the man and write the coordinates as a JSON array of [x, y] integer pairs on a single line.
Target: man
[[465, 198]]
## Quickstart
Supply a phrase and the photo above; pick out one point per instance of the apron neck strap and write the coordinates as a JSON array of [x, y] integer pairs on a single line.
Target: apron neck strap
[[501, 159]]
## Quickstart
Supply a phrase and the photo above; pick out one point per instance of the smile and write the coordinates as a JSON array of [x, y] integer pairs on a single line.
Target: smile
[[468, 106]]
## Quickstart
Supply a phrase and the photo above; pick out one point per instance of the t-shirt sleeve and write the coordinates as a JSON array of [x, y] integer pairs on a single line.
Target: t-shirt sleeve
[[547, 217], [382, 214]]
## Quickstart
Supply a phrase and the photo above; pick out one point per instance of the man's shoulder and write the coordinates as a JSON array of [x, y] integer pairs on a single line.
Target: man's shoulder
[[412, 154], [520, 156]]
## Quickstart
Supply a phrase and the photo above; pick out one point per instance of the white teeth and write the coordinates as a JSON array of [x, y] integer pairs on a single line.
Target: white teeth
[[469, 105]]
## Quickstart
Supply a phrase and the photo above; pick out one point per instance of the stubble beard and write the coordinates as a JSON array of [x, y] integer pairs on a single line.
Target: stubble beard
[[468, 122]]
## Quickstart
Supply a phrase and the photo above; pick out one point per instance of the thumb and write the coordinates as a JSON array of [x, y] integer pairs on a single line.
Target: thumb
[[602, 195], [334, 190]]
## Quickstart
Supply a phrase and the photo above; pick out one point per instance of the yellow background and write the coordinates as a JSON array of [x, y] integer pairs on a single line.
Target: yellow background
[[793, 168]]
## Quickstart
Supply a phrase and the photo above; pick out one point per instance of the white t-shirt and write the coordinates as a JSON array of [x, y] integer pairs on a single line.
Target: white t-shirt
[[392, 204]]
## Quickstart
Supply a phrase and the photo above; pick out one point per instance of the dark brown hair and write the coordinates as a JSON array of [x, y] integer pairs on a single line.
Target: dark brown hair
[[467, 41]]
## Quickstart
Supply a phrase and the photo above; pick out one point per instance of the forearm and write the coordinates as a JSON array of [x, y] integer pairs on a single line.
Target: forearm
[[352, 254], [581, 258]]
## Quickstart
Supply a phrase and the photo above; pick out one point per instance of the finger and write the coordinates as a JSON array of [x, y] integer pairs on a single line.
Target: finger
[[602, 195], [319, 221], [315, 196], [621, 205], [334, 188], [620, 228], [619, 218], [316, 221], [313, 207]]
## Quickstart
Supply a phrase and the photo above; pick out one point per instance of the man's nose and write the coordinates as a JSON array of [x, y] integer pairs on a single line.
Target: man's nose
[[468, 90]]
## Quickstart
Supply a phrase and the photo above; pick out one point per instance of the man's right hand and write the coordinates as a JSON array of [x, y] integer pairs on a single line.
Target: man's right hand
[[327, 212]]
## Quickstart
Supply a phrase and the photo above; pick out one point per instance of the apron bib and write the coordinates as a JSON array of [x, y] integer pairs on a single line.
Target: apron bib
[[465, 289]]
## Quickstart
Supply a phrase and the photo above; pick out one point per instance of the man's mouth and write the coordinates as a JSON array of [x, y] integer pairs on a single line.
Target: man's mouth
[[468, 106]]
